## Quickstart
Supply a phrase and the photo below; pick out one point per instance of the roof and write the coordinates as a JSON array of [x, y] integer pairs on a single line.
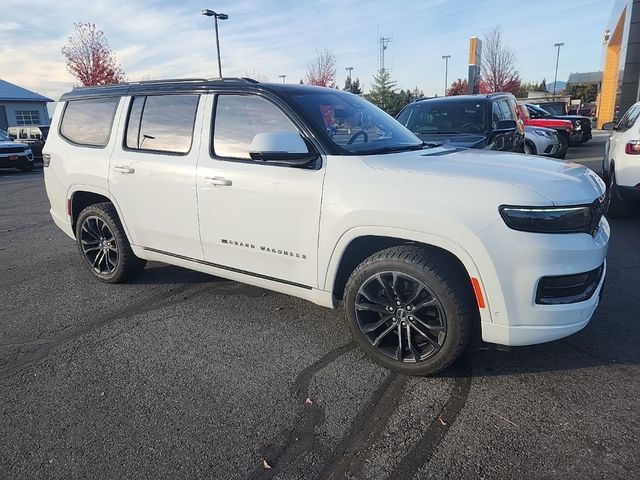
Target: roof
[[463, 98], [585, 78], [190, 85], [14, 93]]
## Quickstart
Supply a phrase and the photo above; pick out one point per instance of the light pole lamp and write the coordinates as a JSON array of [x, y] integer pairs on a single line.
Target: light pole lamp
[[555, 80], [216, 16], [446, 73], [282, 77]]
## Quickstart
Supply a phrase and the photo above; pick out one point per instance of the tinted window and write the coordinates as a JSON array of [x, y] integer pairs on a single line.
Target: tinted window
[[240, 118], [88, 122], [162, 123], [444, 116]]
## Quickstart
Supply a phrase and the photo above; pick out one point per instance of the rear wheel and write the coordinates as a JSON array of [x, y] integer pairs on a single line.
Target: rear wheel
[[411, 309], [617, 206], [104, 246]]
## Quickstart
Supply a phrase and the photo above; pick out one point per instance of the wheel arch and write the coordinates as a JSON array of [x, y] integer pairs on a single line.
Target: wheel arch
[[83, 196], [359, 243]]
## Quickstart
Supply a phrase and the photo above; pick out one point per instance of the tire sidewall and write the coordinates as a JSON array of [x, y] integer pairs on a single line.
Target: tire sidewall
[[93, 211], [453, 322]]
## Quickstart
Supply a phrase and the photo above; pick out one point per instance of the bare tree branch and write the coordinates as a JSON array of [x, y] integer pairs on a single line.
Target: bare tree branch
[[323, 69], [499, 72]]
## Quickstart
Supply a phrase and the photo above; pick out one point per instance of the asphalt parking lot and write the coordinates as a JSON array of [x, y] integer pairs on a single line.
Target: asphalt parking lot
[[183, 375]]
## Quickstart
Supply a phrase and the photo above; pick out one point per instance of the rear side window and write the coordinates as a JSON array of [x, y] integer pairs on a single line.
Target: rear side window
[[161, 123], [88, 122]]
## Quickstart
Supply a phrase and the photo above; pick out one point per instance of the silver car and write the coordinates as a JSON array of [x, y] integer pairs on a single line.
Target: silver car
[[542, 141]]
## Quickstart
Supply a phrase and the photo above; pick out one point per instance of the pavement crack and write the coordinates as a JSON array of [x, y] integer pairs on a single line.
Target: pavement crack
[[301, 438], [421, 453]]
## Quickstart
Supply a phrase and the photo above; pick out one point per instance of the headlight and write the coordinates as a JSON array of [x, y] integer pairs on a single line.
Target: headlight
[[548, 219], [542, 133]]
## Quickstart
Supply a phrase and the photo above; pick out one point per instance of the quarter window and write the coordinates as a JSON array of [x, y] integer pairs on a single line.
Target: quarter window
[[27, 117], [88, 122], [239, 118], [162, 123]]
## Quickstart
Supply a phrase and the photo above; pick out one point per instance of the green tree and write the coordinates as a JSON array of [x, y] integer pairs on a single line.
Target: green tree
[[352, 86], [586, 93], [383, 92]]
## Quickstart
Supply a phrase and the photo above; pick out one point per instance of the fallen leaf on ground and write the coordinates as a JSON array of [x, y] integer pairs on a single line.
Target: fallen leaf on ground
[[308, 401], [265, 465], [442, 422]]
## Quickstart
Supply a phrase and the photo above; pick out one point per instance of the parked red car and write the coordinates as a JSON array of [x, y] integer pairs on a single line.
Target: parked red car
[[563, 127]]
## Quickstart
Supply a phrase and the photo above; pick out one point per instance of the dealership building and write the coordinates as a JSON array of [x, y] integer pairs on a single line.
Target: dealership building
[[19, 106], [621, 70]]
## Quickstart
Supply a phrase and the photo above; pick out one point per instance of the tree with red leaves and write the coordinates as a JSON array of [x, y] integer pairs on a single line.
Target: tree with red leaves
[[459, 87], [322, 71], [89, 57], [499, 73]]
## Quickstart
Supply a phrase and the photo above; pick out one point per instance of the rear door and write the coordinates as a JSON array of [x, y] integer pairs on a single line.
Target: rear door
[[152, 172]]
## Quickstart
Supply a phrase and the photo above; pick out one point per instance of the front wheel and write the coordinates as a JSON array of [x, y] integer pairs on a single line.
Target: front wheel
[[104, 246], [617, 206], [529, 148], [411, 309], [564, 145]]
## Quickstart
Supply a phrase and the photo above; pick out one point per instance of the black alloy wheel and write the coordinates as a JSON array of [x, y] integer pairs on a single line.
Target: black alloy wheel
[[401, 317]]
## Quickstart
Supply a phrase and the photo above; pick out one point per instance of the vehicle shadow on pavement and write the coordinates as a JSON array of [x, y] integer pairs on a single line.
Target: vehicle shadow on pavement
[[162, 274]]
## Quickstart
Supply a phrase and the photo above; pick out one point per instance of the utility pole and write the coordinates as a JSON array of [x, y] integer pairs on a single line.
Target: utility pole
[[555, 81], [446, 73], [383, 41]]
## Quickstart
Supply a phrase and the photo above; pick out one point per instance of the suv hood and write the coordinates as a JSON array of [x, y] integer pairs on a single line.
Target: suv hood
[[7, 143], [562, 183]]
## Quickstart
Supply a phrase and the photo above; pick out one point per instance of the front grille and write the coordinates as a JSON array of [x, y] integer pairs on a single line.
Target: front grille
[[8, 150], [563, 289], [586, 125]]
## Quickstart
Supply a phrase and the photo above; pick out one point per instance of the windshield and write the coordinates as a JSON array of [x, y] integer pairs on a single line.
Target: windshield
[[355, 125], [539, 110], [4, 137], [444, 116]]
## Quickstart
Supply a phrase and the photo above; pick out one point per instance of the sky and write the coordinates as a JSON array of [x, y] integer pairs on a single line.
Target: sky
[[171, 39]]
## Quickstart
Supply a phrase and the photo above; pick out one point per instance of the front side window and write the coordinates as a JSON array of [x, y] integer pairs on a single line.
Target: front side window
[[161, 123], [444, 117], [239, 118], [88, 122]]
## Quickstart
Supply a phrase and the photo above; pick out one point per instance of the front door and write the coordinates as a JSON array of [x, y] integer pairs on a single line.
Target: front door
[[257, 218], [152, 173]]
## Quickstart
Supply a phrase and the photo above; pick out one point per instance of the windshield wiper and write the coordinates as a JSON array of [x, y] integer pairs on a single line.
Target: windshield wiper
[[402, 148]]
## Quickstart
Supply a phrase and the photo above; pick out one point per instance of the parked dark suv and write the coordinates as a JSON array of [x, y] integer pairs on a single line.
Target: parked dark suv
[[32, 135], [472, 121]]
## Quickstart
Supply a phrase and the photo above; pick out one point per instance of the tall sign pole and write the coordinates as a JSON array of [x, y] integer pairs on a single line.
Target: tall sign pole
[[475, 61]]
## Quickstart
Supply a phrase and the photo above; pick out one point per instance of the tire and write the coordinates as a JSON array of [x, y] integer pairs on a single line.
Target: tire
[[103, 245], [564, 145], [529, 148], [618, 208], [27, 168], [445, 302]]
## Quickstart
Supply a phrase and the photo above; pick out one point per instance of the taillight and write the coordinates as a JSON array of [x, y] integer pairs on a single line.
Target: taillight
[[46, 159], [632, 148]]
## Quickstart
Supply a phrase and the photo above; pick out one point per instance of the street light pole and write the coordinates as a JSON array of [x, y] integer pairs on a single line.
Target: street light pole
[[222, 16], [349, 69], [446, 73], [282, 77], [555, 80]]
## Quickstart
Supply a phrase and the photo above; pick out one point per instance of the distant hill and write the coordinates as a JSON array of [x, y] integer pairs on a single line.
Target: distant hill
[[559, 86]]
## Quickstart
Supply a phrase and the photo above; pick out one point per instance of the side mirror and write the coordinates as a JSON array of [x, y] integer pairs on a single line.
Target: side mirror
[[283, 148], [505, 125], [609, 126]]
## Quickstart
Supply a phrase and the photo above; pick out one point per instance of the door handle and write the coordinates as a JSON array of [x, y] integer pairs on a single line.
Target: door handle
[[218, 181], [124, 169]]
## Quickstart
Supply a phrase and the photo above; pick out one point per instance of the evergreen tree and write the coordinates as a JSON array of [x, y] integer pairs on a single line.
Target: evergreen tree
[[352, 86], [383, 92]]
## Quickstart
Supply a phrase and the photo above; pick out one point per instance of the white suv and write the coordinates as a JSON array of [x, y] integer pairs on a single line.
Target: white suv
[[621, 162], [316, 193]]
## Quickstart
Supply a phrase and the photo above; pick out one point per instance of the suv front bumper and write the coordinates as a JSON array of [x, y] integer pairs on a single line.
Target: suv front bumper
[[516, 318], [15, 160]]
